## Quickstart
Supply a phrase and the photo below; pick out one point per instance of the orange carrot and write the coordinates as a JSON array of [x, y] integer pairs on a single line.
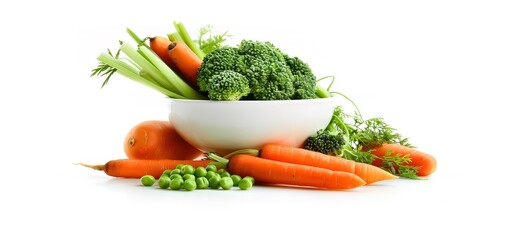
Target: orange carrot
[[186, 62], [368, 173], [160, 46], [155, 139], [137, 168], [275, 172], [425, 162]]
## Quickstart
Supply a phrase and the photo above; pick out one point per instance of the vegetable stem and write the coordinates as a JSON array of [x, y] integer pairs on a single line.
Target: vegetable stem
[[129, 72], [181, 30], [137, 39], [250, 151], [174, 37], [219, 161], [147, 66]]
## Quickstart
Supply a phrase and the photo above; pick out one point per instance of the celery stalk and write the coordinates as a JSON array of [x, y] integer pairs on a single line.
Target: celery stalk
[[137, 39], [182, 87], [174, 37], [188, 40], [147, 66], [127, 71]]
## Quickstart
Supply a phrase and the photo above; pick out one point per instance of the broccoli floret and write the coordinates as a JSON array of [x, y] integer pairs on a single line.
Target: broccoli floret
[[268, 80], [271, 75], [267, 71], [327, 142], [263, 50], [227, 85], [304, 79], [226, 58]]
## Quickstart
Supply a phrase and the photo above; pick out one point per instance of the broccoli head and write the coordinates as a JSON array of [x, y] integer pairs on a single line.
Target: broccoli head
[[226, 58], [327, 142], [227, 85], [304, 79], [270, 74]]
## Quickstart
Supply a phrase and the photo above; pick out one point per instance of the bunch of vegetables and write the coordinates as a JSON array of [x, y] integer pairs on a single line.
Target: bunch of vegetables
[[180, 67], [350, 152], [149, 141]]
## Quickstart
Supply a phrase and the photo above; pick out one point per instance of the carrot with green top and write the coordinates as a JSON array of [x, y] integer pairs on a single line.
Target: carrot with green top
[[368, 173], [424, 162], [275, 172]]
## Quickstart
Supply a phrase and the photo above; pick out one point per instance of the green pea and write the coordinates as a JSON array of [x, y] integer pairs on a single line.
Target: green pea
[[200, 172], [236, 179], [164, 182], [202, 183], [175, 171], [187, 169], [166, 172], [220, 171], [214, 182], [210, 174], [179, 166], [211, 168], [250, 178], [188, 176], [225, 174], [190, 185], [148, 180], [226, 183], [176, 183], [175, 175], [245, 184]]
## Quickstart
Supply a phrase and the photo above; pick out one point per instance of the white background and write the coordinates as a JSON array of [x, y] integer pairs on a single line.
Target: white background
[[439, 71]]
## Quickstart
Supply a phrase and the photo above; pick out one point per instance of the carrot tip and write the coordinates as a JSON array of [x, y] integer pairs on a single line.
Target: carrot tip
[[95, 167]]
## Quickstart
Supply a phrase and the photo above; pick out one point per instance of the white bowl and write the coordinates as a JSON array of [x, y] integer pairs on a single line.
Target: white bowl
[[225, 126]]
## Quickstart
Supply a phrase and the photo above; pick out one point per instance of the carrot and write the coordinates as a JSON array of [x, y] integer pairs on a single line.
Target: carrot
[[368, 173], [186, 62], [275, 172], [155, 139], [137, 168], [425, 162], [160, 46]]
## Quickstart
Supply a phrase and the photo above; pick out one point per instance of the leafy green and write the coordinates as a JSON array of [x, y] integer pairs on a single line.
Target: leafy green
[[104, 69], [209, 41], [352, 137]]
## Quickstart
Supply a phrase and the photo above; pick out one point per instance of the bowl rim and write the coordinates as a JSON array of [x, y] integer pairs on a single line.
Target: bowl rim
[[251, 101]]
